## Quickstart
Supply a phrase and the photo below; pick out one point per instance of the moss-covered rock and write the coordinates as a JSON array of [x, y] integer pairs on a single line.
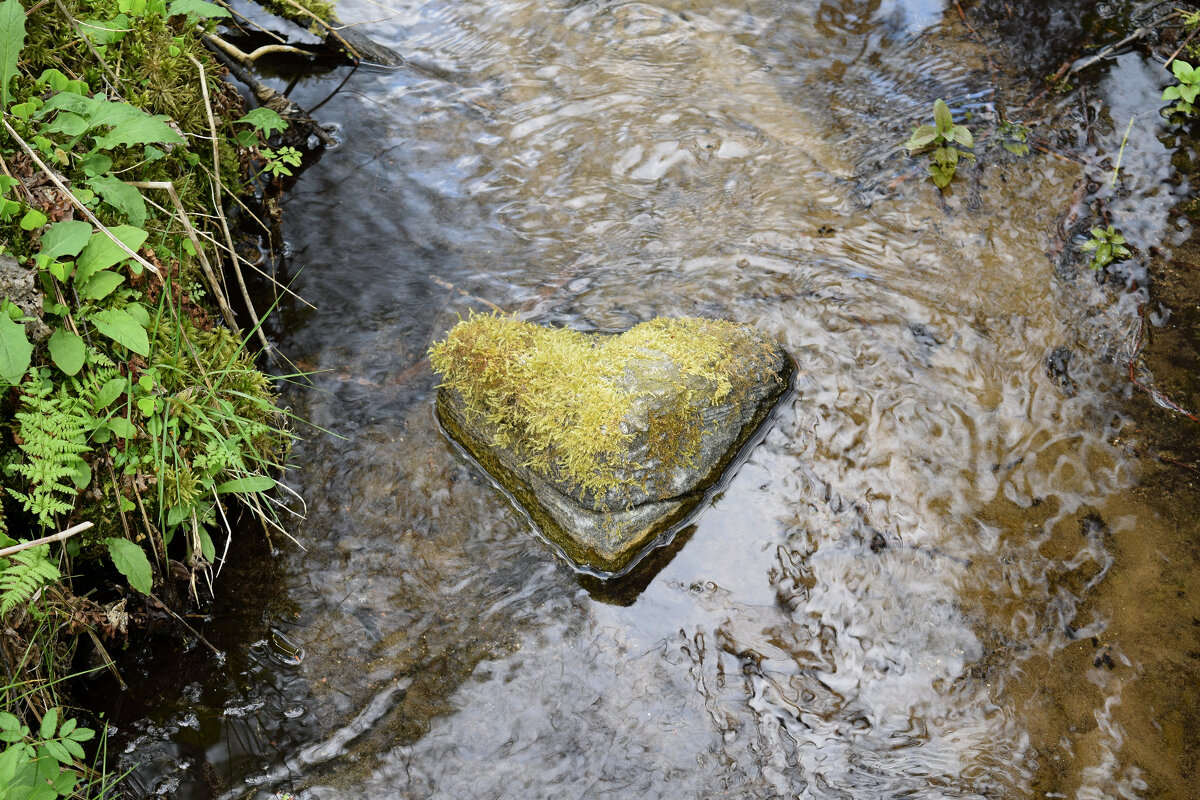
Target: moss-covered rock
[[607, 441]]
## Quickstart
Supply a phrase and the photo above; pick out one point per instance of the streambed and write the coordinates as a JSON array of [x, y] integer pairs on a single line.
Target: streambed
[[944, 572]]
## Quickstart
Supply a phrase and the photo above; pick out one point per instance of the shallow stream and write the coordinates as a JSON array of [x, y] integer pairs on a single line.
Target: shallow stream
[[943, 574]]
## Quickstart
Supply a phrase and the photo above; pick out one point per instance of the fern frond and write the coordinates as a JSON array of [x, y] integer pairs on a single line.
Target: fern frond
[[26, 572], [52, 430]]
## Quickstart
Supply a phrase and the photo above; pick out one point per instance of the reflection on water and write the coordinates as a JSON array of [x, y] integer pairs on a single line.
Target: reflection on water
[[908, 590]]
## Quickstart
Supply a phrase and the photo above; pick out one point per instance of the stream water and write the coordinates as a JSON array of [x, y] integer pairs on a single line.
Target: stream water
[[943, 574]]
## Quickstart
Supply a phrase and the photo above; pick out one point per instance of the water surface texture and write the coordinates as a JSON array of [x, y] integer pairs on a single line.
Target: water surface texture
[[929, 580]]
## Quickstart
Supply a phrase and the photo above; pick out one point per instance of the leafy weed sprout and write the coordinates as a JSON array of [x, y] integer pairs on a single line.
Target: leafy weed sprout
[[942, 141], [1106, 246]]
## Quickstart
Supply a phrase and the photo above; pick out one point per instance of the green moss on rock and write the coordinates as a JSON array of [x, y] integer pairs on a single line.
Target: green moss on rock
[[605, 439]]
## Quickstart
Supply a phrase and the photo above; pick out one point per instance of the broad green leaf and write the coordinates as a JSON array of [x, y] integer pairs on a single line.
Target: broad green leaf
[[49, 724], [74, 103], [33, 219], [82, 734], [1188, 93], [109, 112], [82, 476], [12, 39], [101, 285], [1103, 254], [139, 312], [122, 427], [110, 391], [922, 136], [69, 123], [942, 116], [264, 119], [130, 560], [142, 130], [196, 9], [1183, 70], [68, 779], [67, 350], [95, 164], [102, 252], [246, 485], [59, 754], [121, 196], [15, 351], [54, 78], [962, 135], [122, 329], [64, 238]]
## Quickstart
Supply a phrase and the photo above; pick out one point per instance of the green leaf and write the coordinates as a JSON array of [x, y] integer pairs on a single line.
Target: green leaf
[[246, 485], [68, 779], [68, 123], [58, 753], [921, 137], [122, 329], [33, 219], [67, 350], [106, 31], [82, 734], [1103, 254], [102, 252], [206, 546], [65, 238], [130, 560], [12, 39], [264, 119], [101, 285], [962, 135], [196, 9], [15, 351], [95, 164], [74, 103], [1183, 71], [140, 130], [110, 391], [9, 722], [121, 196], [76, 750], [49, 724], [942, 116], [82, 476]]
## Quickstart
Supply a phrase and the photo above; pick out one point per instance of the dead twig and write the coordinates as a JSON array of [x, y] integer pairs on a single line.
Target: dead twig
[[57, 537], [209, 274], [217, 206]]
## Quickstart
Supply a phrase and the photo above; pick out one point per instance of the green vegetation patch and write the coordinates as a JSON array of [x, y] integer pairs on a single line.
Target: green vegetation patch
[[564, 400]]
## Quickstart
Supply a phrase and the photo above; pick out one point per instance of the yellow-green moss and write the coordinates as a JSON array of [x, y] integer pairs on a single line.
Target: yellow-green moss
[[561, 399]]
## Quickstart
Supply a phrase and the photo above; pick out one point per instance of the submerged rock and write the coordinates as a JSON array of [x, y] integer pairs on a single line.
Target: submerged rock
[[607, 441]]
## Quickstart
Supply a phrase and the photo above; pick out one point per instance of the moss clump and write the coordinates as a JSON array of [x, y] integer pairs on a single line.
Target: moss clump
[[568, 402]]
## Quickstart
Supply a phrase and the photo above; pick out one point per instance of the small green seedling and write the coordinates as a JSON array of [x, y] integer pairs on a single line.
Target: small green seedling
[[1013, 137], [1106, 246], [279, 160], [1183, 93], [940, 140]]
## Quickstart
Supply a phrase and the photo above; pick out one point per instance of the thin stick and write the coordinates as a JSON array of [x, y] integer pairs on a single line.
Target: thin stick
[[233, 51], [57, 537], [1179, 50], [74, 200], [464, 293], [113, 80], [237, 269], [332, 31], [226, 311], [185, 624]]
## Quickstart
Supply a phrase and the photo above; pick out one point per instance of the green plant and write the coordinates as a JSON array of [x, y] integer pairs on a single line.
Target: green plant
[[942, 141], [1013, 137], [41, 765], [279, 160], [1106, 246], [1184, 92]]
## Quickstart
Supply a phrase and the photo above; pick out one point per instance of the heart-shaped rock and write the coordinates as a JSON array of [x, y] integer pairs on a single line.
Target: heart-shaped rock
[[608, 441]]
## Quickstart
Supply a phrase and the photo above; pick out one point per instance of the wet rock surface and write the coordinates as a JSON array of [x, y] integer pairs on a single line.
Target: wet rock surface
[[680, 442]]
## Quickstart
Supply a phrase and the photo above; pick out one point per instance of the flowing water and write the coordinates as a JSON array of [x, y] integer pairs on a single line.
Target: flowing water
[[941, 575]]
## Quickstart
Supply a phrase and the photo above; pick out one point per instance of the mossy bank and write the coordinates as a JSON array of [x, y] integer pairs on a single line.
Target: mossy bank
[[132, 411]]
